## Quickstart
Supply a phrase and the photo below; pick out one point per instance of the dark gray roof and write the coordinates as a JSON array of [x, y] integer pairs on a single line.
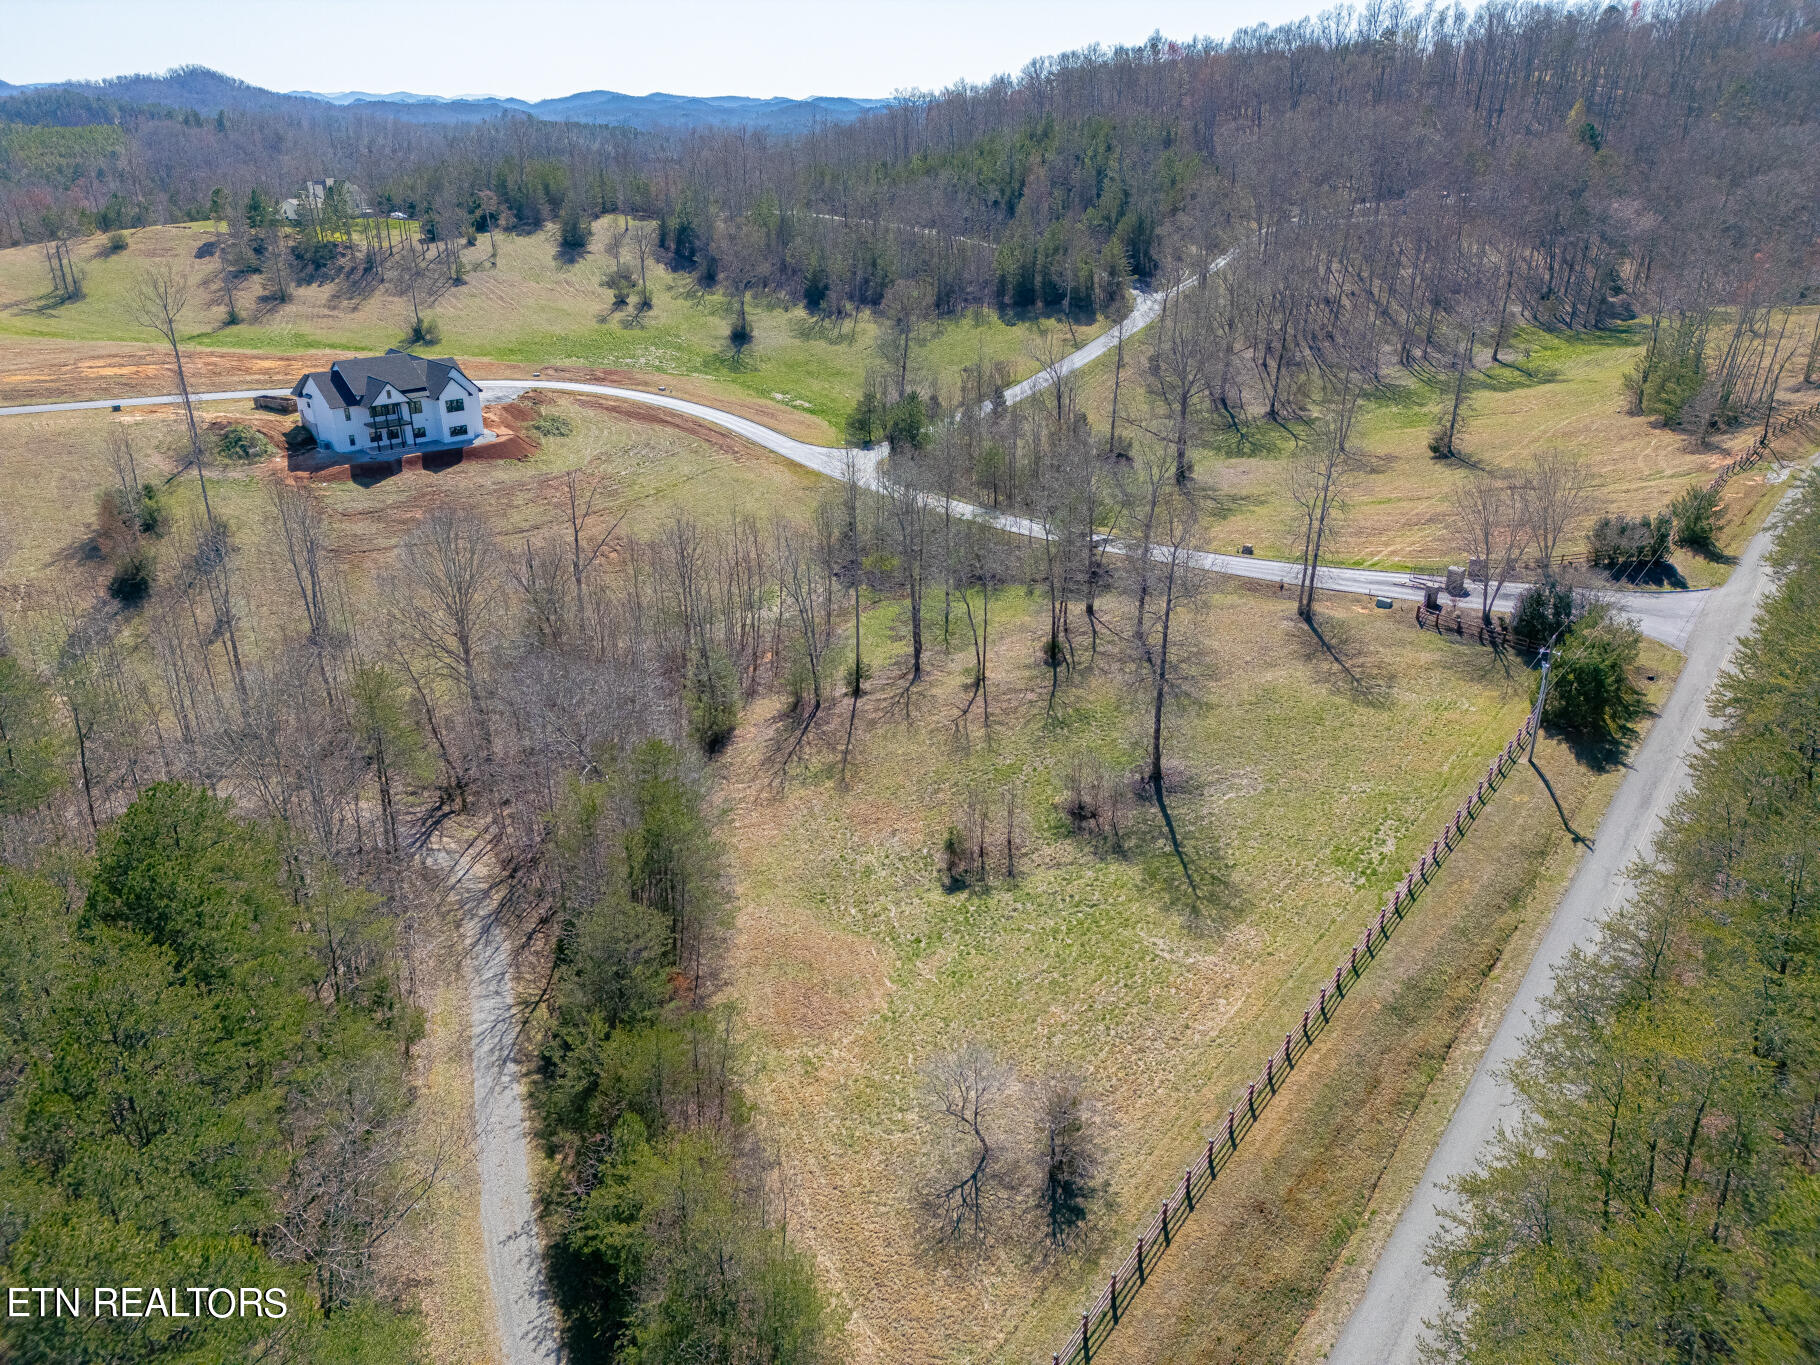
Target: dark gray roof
[[358, 383]]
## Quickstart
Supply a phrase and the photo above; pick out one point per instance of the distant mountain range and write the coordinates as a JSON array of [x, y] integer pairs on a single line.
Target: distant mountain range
[[206, 91]]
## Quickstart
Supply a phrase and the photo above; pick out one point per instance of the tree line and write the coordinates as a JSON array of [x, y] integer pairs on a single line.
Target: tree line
[[1659, 1200]]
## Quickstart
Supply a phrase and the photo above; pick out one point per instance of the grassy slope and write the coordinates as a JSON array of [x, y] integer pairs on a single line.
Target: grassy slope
[[1558, 392], [54, 465], [532, 309], [1308, 789], [52, 468]]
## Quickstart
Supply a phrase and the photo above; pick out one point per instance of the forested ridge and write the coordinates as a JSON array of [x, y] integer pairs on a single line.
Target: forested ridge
[[1396, 188], [219, 794], [1661, 1201]]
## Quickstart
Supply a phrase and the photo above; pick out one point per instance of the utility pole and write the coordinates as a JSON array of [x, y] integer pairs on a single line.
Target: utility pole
[[1535, 719]]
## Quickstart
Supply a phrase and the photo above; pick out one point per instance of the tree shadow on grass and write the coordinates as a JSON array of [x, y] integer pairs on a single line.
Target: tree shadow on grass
[[1184, 866], [1566, 824], [1600, 752], [1334, 646]]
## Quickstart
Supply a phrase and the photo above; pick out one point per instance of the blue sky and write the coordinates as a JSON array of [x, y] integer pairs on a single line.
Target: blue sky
[[535, 49]]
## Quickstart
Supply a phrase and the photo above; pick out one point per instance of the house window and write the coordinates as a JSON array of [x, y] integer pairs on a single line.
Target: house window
[[417, 433], [416, 406], [350, 443], [458, 431], [455, 405]]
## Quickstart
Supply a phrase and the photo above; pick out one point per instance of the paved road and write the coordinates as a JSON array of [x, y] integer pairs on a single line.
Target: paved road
[[508, 1222], [1387, 1325], [1665, 616]]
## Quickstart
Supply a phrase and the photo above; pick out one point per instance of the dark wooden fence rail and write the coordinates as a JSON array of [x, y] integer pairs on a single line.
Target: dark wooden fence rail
[[1200, 1175], [1451, 621], [1760, 447]]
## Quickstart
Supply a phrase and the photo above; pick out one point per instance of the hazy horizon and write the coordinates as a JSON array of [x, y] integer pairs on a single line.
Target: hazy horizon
[[795, 49]]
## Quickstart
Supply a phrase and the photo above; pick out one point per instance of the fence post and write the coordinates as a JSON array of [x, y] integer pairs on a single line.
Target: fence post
[[1231, 1132], [1165, 1221], [1084, 1353], [1112, 1295], [1338, 989], [1212, 1174], [1270, 1077], [1140, 1259], [1251, 1100], [1188, 1187], [1305, 1037], [1287, 1059]]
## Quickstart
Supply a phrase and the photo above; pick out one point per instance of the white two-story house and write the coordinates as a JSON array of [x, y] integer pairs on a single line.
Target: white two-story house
[[391, 402]]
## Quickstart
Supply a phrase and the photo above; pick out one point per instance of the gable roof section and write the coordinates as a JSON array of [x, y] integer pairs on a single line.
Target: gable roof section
[[359, 382]]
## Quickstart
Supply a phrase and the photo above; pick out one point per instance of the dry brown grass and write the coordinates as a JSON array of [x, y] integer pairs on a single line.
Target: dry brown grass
[[445, 1250], [1306, 784], [1559, 393]]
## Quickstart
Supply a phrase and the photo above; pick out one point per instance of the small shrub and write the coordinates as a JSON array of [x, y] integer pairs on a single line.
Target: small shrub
[[1542, 611], [132, 576], [426, 331], [116, 242], [954, 858], [315, 256], [242, 444], [1590, 692], [151, 511], [904, 422], [1098, 802], [856, 675], [621, 284], [553, 424], [1696, 514], [573, 231], [799, 681], [711, 699], [1624, 544]]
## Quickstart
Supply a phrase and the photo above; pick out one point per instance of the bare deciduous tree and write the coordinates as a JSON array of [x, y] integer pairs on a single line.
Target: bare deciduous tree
[[975, 1169], [1492, 526], [445, 604], [1067, 1158], [157, 305], [1554, 495]]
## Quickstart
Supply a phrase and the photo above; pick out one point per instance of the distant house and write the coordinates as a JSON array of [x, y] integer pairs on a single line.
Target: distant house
[[395, 401], [353, 199]]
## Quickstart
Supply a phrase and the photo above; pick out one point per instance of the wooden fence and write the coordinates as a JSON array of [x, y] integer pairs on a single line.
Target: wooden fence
[[1200, 1176], [1450, 621], [1760, 447]]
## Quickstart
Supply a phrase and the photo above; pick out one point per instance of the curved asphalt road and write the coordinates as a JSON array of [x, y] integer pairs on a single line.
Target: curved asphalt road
[[1665, 616], [1387, 1326], [1401, 1293]]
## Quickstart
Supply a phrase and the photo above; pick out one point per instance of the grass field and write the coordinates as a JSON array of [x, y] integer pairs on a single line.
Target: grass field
[[1303, 779], [1306, 784], [1556, 392], [533, 309], [655, 466]]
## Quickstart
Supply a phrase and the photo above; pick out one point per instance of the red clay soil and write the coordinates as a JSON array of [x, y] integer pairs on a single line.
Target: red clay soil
[[626, 410], [511, 442], [779, 418], [34, 370]]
